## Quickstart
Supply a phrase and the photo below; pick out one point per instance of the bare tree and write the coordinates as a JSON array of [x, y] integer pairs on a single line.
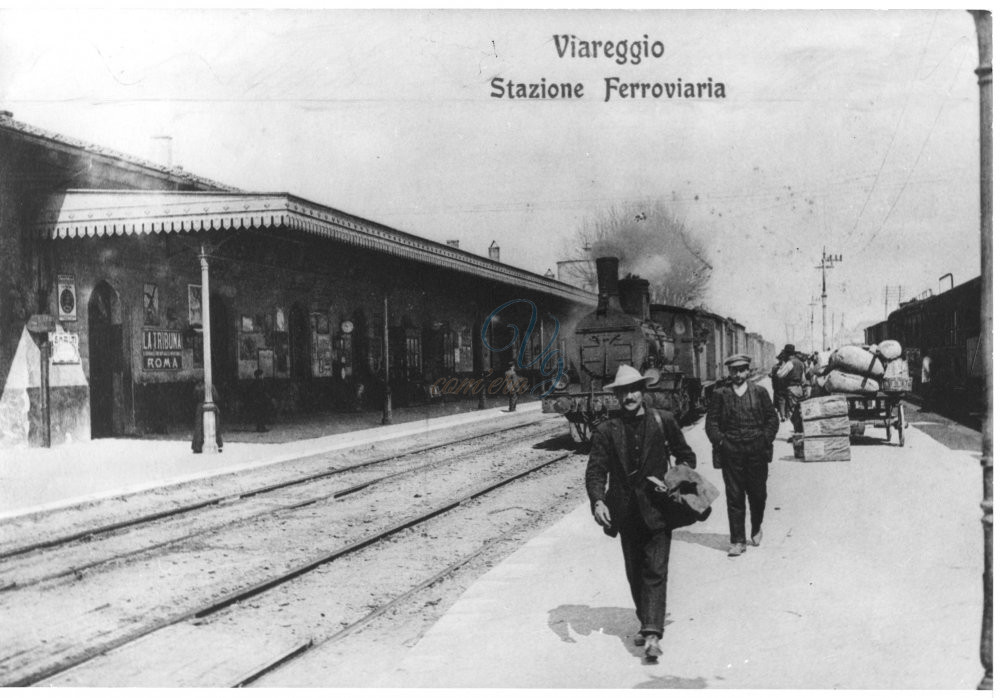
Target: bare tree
[[650, 242]]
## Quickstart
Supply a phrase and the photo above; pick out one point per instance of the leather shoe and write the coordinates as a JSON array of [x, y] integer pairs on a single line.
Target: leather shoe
[[653, 647], [737, 549], [639, 640], [756, 538]]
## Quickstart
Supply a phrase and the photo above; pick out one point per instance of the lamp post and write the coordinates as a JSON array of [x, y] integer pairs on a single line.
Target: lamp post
[[984, 32], [208, 414], [826, 262]]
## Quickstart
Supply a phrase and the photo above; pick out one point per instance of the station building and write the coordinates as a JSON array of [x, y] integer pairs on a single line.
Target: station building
[[115, 250]]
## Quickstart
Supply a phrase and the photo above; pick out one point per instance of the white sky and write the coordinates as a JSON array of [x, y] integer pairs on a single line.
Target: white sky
[[858, 130]]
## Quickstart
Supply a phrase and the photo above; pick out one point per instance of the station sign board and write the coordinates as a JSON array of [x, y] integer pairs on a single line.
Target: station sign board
[[161, 350]]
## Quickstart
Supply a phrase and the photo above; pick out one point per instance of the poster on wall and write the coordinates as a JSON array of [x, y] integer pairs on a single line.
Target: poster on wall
[[150, 304], [265, 362], [194, 305], [67, 297], [279, 320]]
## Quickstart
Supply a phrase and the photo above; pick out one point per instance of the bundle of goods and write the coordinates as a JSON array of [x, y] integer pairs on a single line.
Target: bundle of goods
[[854, 369], [826, 430]]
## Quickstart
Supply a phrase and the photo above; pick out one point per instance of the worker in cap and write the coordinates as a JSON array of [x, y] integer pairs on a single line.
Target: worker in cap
[[741, 424], [737, 360], [636, 443]]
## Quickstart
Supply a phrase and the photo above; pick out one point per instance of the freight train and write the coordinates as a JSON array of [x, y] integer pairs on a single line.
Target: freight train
[[682, 349], [942, 344]]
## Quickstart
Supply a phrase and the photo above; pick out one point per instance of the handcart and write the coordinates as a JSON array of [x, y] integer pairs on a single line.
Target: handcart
[[877, 410]]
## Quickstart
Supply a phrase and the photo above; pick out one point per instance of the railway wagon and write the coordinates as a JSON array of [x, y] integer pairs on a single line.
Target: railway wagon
[[941, 339]]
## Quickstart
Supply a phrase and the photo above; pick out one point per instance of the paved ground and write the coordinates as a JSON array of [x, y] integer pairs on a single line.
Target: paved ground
[[869, 577]]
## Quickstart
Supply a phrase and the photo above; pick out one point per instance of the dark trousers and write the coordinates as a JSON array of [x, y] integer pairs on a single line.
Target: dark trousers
[[793, 397], [745, 477], [647, 554]]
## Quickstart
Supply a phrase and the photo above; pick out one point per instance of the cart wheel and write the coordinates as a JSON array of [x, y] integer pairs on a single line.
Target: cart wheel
[[901, 424]]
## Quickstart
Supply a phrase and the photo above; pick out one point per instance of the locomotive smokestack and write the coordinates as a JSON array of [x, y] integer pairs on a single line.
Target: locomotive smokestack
[[607, 285], [635, 296]]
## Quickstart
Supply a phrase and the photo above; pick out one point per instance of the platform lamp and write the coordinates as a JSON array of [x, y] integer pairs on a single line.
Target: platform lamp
[[984, 33]]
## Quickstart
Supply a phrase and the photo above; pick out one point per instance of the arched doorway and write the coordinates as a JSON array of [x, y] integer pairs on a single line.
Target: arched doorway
[[104, 332]]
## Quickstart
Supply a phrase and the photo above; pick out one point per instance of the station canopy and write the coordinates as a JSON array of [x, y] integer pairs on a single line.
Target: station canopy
[[89, 213]]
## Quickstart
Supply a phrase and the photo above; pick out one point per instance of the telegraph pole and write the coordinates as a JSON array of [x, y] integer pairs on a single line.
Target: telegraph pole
[[826, 262], [984, 71], [812, 333]]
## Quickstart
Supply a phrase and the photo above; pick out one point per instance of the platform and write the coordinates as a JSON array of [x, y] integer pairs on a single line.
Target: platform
[[869, 577]]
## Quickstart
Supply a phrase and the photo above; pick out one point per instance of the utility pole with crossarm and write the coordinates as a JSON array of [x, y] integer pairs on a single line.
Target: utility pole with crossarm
[[827, 262]]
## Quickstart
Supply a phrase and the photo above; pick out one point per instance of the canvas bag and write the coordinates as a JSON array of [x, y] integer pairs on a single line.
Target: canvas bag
[[682, 495]]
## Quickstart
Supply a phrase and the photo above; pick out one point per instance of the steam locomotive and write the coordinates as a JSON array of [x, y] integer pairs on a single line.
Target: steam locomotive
[[680, 349]]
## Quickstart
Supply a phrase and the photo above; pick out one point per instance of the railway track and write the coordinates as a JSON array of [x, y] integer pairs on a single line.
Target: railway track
[[83, 550], [33, 532], [128, 623]]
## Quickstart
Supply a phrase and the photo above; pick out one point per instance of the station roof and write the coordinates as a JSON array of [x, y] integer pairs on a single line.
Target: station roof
[[89, 213]]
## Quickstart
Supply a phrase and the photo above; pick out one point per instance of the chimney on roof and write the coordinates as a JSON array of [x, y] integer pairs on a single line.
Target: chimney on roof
[[495, 251], [163, 150], [451, 243]]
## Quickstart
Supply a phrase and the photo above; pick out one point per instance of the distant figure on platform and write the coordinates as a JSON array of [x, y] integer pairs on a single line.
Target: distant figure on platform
[[778, 388], [792, 374], [620, 495], [741, 424], [512, 384], [198, 439], [259, 402]]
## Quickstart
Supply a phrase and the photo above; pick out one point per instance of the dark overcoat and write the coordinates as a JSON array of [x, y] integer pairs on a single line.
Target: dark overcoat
[[608, 479]]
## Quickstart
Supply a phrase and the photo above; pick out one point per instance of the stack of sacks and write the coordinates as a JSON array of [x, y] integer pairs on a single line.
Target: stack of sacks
[[896, 378], [854, 370], [867, 370], [826, 430]]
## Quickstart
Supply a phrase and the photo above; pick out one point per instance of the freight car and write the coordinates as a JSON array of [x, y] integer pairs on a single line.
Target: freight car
[[681, 348], [942, 344]]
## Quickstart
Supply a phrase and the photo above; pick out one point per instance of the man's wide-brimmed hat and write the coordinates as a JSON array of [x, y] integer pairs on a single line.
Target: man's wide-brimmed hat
[[737, 360], [787, 351], [627, 376]]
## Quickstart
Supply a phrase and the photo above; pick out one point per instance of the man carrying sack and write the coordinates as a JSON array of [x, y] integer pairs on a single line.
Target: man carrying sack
[[741, 424], [632, 446]]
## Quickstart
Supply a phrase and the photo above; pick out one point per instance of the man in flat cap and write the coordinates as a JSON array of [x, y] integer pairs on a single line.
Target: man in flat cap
[[635, 443], [741, 424]]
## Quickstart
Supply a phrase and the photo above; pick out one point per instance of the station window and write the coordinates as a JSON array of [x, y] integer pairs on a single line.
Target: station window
[[414, 358]]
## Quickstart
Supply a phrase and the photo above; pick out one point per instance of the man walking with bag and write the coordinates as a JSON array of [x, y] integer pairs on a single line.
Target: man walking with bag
[[741, 424], [626, 450]]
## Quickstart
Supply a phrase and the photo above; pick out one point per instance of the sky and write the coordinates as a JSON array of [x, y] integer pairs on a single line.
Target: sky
[[856, 132]]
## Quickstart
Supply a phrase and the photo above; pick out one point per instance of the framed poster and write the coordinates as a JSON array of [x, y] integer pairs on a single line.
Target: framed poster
[[66, 297], [194, 305], [150, 304], [265, 362]]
